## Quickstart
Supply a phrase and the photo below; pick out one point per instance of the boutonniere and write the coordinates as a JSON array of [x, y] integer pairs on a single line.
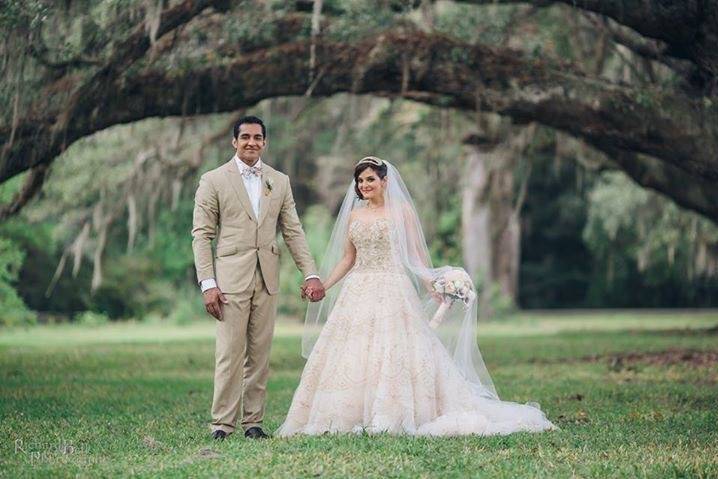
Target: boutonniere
[[268, 183]]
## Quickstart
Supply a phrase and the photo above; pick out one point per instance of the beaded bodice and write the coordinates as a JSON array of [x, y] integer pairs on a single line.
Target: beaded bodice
[[373, 244]]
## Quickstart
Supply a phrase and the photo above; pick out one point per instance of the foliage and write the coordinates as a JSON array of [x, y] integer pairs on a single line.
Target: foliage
[[615, 246], [91, 318], [17, 14], [317, 223], [147, 390], [188, 308], [138, 278], [493, 304], [317, 146], [556, 267], [634, 233], [467, 23], [13, 311], [446, 247], [360, 19]]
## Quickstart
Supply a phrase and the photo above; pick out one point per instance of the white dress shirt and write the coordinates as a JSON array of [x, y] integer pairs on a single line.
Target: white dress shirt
[[253, 185]]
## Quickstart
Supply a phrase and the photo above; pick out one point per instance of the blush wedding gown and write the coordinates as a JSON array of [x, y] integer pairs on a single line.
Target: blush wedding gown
[[378, 367]]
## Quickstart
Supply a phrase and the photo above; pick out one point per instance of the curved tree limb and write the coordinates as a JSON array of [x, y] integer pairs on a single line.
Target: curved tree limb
[[31, 187], [442, 72], [689, 27], [670, 127], [49, 129]]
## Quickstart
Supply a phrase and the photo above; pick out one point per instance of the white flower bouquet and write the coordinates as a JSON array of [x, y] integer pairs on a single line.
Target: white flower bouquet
[[454, 285]]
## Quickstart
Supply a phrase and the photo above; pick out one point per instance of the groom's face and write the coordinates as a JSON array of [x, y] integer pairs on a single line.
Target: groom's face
[[249, 142]]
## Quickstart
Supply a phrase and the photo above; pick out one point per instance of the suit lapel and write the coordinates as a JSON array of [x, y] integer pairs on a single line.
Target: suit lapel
[[235, 179], [267, 191]]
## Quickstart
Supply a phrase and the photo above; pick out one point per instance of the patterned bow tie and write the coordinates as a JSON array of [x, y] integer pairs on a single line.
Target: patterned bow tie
[[249, 171]]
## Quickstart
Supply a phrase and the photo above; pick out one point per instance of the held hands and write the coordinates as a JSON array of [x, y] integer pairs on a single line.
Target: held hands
[[213, 300], [312, 289]]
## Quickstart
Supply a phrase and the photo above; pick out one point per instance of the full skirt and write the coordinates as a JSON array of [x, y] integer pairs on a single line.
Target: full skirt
[[377, 367]]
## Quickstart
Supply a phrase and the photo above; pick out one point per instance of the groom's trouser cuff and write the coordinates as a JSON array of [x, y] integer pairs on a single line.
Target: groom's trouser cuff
[[221, 427]]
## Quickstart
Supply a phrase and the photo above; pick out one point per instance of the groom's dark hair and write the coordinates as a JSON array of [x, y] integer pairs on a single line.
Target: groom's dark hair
[[252, 120]]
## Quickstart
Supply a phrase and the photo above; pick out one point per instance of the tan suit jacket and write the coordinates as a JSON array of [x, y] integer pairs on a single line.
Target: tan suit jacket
[[223, 211]]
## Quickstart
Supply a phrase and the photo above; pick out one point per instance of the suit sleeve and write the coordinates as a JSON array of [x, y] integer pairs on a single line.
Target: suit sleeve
[[205, 219], [293, 234]]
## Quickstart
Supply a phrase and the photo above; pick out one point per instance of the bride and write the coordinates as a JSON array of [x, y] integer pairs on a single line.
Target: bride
[[392, 347]]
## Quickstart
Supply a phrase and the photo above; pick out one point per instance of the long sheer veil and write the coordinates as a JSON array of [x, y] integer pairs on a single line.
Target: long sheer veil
[[457, 331]]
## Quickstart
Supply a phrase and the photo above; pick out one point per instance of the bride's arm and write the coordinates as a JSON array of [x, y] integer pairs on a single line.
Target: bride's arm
[[343, 266]]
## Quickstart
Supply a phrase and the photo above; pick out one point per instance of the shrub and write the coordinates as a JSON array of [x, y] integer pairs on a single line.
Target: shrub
[[13, 311], [91, 318]]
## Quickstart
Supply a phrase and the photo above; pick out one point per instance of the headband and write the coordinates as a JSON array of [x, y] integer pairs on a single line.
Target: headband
[[373, 160]]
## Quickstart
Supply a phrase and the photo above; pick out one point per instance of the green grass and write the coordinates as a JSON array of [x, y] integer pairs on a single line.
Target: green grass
[[133, 400]]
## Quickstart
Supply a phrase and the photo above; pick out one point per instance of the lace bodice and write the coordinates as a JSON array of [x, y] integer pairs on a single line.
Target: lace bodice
[[373, 244]]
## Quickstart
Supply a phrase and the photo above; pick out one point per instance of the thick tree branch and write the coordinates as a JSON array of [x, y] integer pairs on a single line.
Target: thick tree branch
[[41, 55], [132, 49], [429, 68], [648, 49], [44, 135], [444, 73], [687, 191], [31, 187], [689, 27]]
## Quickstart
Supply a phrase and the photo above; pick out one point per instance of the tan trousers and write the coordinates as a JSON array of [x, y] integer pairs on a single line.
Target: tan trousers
[[244, 338]]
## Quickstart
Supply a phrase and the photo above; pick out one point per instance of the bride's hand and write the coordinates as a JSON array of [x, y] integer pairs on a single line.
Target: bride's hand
[[435, 296]]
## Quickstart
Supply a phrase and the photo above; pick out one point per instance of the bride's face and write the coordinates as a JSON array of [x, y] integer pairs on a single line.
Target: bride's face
[[370, 185]]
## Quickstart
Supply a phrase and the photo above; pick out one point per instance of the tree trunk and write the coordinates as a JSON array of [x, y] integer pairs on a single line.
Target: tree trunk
[[491, 203], [475, 216]]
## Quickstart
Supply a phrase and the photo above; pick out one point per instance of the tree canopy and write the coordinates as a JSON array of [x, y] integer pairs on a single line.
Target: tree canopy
[[637, 82]]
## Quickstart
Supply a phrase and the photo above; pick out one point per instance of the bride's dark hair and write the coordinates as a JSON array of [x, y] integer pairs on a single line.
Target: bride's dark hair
[[379, 168]]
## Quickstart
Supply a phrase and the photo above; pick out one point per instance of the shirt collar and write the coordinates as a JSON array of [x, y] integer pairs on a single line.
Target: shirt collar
[[242, 165]]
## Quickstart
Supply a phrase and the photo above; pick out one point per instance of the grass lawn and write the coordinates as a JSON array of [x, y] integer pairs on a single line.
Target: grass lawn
[[635, 395]]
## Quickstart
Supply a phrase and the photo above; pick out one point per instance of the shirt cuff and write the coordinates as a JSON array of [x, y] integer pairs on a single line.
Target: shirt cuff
[[208, 283], [311, 276]]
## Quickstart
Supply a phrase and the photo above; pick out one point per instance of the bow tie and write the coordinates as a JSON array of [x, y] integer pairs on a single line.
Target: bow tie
[[249, 171]]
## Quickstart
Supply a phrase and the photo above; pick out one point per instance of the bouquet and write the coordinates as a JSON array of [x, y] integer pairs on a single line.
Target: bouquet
[[454, 285]]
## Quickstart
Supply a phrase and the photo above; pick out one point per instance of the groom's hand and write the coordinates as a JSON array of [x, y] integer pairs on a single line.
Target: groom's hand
[[213, 300], [313, 289]]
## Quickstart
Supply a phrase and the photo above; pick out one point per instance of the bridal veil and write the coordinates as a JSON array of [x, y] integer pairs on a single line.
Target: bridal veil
[[458, 329]]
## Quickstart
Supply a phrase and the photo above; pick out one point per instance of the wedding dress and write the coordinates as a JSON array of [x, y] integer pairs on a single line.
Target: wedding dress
[[378, 367]]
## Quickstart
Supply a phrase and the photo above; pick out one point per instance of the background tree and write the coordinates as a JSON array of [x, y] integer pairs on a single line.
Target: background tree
[[556, 96]]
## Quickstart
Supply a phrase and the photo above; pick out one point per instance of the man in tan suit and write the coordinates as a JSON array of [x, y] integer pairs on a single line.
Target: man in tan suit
[[241, 203]]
